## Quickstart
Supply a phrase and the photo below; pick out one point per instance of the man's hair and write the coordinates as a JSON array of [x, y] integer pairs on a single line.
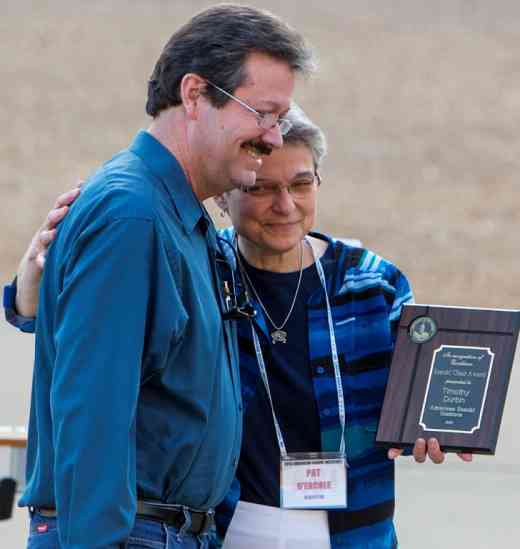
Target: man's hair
[[215, 44], [304, 132]]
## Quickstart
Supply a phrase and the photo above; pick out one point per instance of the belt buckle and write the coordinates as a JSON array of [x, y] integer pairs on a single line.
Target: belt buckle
[[208, 521]]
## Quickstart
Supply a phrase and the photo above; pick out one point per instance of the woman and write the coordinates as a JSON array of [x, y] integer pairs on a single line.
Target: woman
[[314, 363]]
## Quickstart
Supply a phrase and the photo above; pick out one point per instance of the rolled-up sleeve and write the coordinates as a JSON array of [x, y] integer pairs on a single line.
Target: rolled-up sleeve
[[23, 323], [100, 329]]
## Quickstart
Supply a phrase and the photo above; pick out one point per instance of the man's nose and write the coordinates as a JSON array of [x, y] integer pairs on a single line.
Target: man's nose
[[273, 137]]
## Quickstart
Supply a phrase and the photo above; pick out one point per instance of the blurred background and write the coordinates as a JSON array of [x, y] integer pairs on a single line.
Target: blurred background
[[420, 101]]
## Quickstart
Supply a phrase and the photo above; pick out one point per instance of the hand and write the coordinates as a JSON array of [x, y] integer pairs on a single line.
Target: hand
[[31, 266], [431, 449]]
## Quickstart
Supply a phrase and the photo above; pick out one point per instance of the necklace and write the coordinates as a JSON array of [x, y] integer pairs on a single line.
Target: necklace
[[278, 335]]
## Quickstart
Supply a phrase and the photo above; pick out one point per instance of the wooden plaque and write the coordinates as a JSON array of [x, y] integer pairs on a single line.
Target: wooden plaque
[[449, 377]]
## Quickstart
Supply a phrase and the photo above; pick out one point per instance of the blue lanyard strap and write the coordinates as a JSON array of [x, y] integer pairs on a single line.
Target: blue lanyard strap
[[335, 361]]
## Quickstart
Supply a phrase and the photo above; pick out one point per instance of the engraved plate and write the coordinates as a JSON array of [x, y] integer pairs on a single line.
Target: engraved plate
[[457, 389]]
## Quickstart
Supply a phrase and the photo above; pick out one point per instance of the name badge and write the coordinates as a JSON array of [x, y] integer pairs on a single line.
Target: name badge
[[313, 481]]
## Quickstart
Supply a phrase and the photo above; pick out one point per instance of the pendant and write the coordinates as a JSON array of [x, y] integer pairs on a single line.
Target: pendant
[[279, 336]]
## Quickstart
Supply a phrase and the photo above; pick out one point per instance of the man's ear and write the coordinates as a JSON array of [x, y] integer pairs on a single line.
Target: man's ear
[[191, 89]]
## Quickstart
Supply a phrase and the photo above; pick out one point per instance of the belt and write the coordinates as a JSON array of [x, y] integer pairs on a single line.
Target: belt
[[194, 522], [47, 512], [174, 515]]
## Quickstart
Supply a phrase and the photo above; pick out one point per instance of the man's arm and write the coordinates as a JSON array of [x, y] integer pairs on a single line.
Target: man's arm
[[99, 334]]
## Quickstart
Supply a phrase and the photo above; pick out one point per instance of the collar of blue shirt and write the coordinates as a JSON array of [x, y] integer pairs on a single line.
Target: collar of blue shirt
[[165, 166]]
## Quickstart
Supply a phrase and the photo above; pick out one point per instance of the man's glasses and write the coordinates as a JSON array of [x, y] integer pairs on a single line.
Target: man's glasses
[[265, 120], [300, 188]]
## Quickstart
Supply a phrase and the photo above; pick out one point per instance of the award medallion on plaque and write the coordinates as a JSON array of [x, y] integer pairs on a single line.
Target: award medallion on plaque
[[449, 377]]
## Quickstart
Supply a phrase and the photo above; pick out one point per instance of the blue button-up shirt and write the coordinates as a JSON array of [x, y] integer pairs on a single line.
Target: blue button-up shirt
[[136, 388]]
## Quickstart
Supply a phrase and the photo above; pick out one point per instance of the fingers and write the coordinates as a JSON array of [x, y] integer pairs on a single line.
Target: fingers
[[38, 248], [419, 450], [67, 198], [40, 260], [54, 217], [431, 449], [394, 453], [434, 451], [61, 207], [47, 232], [46, 237]]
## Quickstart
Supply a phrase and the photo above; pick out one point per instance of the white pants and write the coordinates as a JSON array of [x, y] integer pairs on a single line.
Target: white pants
[[262, 527]]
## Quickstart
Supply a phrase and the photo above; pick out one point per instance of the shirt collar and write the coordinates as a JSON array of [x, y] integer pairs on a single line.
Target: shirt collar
[[165, 166]]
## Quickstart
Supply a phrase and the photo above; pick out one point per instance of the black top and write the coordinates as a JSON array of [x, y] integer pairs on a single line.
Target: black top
[[289, 373]]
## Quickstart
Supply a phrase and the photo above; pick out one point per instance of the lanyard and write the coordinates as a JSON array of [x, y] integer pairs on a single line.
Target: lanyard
[[335, 361]]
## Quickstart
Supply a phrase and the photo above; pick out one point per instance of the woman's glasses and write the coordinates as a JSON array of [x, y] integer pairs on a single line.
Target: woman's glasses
[[299, 188]]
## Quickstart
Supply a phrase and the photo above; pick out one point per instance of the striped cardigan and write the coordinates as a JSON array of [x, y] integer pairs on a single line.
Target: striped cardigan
[[366, 295]]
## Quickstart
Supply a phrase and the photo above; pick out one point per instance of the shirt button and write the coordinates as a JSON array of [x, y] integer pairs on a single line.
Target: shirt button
[[240, 408], [235, 462], [320, 369]]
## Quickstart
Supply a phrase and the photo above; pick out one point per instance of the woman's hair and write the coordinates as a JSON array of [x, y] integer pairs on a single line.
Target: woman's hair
[[304, 132]]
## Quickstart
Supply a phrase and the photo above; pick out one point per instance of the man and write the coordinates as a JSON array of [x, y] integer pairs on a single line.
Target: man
[[136, 404]]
